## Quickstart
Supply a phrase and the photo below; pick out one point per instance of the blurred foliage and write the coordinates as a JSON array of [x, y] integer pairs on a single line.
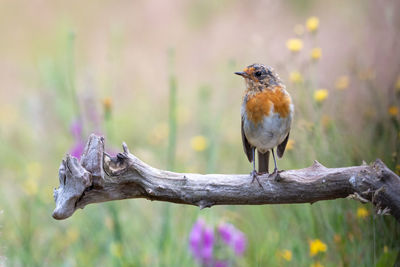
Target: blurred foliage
[[107, 65]]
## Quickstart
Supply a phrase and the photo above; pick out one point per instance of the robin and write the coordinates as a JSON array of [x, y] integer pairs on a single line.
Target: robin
[[267, 113]]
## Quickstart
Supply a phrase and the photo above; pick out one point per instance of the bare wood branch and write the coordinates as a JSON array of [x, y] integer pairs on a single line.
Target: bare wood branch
[[98, 177]]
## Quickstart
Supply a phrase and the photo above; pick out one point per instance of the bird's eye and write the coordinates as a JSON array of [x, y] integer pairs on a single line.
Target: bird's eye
[[258, 73]]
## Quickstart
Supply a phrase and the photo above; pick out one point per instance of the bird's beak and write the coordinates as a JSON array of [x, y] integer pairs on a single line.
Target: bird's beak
[[242, 73]]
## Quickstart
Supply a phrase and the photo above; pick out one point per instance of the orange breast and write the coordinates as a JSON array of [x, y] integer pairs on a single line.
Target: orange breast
[[259, 104]]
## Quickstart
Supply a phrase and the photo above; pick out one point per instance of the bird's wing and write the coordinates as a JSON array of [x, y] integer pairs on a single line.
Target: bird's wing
[[246, 145], [282, 146]]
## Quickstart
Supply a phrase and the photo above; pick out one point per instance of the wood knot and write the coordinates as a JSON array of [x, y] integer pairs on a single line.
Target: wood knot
[[115, 165], [317, 165], [204, 204]]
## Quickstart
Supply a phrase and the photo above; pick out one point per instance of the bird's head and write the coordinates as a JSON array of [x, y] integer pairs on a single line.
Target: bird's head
[[259, 77]]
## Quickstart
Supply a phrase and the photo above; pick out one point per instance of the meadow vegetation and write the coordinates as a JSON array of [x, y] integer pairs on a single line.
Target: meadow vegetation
[[170, 93]]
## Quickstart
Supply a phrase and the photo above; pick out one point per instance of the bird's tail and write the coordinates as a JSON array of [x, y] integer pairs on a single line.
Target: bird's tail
[[263, 160]]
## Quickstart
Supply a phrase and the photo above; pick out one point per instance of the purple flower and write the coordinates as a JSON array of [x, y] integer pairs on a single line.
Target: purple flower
[[226, 230], [77, 149], [233, 237], [219, 263], [79, 144], [239, 243], [201, 242], [208, 242], [76, 129], [195, 237], [202, 239]]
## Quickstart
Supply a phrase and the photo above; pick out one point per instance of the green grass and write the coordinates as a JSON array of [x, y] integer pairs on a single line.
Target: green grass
[[348, 127]]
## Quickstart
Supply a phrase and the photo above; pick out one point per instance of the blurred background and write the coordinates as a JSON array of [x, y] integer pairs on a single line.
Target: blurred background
[[159, 76]]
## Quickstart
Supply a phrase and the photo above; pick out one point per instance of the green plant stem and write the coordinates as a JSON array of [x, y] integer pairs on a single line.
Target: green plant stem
[[172, 123], [172, 115], [70, 77]]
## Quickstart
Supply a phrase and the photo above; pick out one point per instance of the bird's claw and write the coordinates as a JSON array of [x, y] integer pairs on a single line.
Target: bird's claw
[[275, 175], [254, 174]]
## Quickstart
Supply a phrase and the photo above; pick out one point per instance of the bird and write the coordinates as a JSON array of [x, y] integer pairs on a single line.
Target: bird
[[267, 112]]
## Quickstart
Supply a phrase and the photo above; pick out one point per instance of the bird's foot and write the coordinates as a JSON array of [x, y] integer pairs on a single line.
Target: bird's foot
[[275, 175], [254, 174]]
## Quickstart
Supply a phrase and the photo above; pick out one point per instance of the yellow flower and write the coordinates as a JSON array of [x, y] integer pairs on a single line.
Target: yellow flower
[[107, 104], [294, 44], [298, 29], [362, 213], [316, 53], [393, 111], [385, 249], [116, 249], [316, 246], [312, 24], [320, 95], [296, 77], [198, 143], [290, 144], [286, 255], [316, 264], [342, 82]]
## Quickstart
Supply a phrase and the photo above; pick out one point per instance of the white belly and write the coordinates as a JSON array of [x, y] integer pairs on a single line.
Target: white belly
[[268, 133]]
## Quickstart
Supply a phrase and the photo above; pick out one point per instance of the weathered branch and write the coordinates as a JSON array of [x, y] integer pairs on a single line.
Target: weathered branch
[[99, 178]]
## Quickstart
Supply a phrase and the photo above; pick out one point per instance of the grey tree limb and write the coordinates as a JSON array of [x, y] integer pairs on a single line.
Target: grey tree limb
[[98, 177]]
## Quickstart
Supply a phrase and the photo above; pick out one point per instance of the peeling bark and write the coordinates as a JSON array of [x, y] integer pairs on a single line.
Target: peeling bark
[[98, 177]]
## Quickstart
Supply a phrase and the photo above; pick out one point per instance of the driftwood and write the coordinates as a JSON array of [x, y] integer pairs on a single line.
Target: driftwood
[[98, 177]]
